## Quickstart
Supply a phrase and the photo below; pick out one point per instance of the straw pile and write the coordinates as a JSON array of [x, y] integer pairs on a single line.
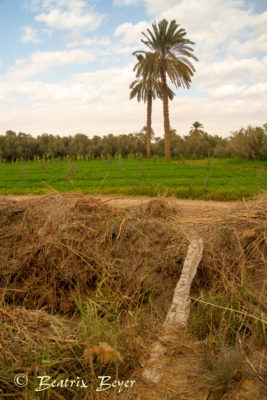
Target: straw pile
[[235, 252], [56, 246]]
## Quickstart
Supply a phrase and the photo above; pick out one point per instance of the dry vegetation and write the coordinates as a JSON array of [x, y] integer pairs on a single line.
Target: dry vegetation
[[86, 285]]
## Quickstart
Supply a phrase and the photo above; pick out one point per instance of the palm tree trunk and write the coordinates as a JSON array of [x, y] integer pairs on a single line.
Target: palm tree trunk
[[166, 117], [148, 126]]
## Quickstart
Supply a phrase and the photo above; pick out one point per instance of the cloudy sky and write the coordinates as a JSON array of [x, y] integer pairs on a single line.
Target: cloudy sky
[[66, 65]]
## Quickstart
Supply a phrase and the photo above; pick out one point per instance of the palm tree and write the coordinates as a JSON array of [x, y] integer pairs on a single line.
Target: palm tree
[[196, 129], [169, 57], [147, 89]]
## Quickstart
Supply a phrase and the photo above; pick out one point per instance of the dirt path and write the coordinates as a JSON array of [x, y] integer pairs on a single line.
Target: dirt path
[[197, 206], [192, 215]]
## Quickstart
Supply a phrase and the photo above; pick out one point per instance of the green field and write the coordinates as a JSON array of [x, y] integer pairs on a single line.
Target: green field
[[217, 179]]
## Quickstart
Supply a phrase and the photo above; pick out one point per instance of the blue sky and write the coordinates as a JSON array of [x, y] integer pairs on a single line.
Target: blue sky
[[66, 65]]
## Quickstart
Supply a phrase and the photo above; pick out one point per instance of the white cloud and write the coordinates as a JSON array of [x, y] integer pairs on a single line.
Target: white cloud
[[67, 14], [126, 2], [29, 34], [257, 90], [213, 24], [230, 71], [98, 103], [20, 62], [41, 62], [56, 58], [80, 40], [50, 4], [91, 113], [65, 20], [153, 7], [156, 7], [131, 33], [226, 91], [254, 45], [96, 87]]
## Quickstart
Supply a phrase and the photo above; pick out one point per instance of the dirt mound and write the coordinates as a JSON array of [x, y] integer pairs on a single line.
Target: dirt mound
[[236, 249], [60, 253], [32, 330], [158, 208], [57, 246]]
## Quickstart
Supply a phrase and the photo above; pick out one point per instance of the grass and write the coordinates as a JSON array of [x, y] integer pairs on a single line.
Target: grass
[[60, 358], [223, 372], [223, 319], [48, 351], [216, 179]]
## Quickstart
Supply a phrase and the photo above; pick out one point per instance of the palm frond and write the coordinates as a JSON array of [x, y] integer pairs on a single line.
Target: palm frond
[[170, 53]]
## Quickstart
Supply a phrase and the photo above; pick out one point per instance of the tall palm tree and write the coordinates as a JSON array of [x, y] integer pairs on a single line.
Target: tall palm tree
[[169, 57], [147, 89], [196, 129]]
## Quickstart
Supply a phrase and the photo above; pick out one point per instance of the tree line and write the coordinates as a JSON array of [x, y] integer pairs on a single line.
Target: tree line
[[249, 143]]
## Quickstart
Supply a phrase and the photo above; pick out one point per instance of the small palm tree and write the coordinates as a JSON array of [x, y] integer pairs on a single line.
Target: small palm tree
[[169, 57], [147, 89], [196, 129]]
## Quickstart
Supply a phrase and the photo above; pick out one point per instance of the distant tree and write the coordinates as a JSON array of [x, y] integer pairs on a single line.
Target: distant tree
[[169, 57], [249, 143], [144, 129], [143, 90], [96, 146], [223, 149], [10, 145], [147, 88], [110, 144], [197, 129], [79, 144], [197, 147], [177, 143]]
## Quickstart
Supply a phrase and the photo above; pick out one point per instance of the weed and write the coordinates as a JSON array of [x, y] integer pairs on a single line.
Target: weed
[[223, 371], [122, 167], [71, 173]]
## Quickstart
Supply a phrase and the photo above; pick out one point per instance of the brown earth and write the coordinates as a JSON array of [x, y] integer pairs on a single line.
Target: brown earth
[[58, 246], [188, 213]]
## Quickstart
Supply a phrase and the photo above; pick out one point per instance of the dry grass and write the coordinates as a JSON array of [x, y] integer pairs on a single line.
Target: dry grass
[[84, 284], [232, 275], [75, 244], [159, 209]]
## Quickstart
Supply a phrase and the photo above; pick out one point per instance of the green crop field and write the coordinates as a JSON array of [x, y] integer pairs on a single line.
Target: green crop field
[[216, 179]]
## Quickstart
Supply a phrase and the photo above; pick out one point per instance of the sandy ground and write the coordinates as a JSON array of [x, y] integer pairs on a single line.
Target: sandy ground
[[192, 215], [195, 208], [128, 201]]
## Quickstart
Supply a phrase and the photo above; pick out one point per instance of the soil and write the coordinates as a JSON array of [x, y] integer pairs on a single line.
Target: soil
[[44, 237], [191, 214]]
